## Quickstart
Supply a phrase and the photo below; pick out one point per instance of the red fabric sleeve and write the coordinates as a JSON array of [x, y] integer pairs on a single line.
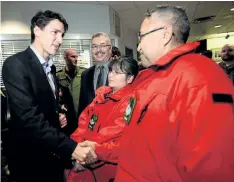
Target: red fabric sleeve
[[108, 137], [206, 135], [79, 134]]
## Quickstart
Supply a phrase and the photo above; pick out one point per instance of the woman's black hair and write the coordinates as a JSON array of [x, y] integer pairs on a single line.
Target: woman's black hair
[[125, 64]]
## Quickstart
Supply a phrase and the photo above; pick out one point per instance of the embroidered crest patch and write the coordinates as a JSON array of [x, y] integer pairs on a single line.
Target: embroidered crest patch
[[129, 110], [93, 121]]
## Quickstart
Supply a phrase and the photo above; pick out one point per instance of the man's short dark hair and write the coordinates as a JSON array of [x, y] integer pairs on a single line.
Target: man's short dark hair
[[115, 51], [178, 18], [126, 64], [42, 18]]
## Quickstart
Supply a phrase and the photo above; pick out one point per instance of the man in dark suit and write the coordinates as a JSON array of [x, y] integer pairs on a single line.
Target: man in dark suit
[[38, 148], [95, 76]]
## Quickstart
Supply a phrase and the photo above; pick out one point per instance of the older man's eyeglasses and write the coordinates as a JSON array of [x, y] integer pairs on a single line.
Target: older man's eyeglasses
[[102, 47], [140, 36]]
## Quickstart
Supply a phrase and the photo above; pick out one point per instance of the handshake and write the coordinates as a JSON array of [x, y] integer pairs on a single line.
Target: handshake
[[84, 155]]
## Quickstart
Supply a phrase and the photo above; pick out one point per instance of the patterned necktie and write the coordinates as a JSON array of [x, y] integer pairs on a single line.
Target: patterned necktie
[[100, 77], [50, 78]]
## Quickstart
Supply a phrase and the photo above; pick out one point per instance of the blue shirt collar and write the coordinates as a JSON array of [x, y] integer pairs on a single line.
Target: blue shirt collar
[[46, 64]]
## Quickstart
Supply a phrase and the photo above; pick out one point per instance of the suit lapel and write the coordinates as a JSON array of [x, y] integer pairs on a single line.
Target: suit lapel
[[91, 78], [39, 72], [53, 72]]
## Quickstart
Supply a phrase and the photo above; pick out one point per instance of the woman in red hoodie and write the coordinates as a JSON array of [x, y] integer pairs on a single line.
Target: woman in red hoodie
[[102, 122]]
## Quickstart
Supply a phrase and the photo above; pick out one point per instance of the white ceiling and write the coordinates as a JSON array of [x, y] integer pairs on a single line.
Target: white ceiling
[[132, 14]]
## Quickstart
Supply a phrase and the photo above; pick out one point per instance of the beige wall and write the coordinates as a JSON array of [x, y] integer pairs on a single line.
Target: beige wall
[[215, 45]]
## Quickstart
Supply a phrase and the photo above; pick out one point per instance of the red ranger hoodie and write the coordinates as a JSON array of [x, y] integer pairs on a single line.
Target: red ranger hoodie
[[103, 121], [182, 127]]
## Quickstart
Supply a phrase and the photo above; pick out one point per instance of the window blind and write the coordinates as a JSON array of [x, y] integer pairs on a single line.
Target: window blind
[[82, 46]]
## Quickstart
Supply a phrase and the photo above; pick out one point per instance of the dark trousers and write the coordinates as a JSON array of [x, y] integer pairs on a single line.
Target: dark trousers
[[33, 170]]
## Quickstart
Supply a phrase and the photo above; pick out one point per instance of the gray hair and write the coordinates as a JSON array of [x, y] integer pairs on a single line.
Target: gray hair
[[177, 17], [99, 34]]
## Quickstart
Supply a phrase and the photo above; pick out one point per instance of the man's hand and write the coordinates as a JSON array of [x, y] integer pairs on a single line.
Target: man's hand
[[88, 143], [62, 120], [84, 155]]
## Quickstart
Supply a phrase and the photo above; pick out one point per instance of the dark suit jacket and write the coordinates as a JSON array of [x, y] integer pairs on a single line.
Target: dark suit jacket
[[37, 146], [87, 92]]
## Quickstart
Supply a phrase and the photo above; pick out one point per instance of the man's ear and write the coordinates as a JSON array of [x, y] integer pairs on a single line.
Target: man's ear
[[130, 79], [37, 31], [64, 56], [167, 36]]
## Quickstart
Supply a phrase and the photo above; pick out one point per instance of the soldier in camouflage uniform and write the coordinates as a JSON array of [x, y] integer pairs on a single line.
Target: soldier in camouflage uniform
[[227, 55], [69, 86]]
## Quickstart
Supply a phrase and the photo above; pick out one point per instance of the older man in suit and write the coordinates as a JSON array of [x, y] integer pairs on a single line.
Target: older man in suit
[[95, 76], [37, 146]]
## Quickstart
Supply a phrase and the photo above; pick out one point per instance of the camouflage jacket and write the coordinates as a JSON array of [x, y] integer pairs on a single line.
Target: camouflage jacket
[[228, 69], [70, 95]]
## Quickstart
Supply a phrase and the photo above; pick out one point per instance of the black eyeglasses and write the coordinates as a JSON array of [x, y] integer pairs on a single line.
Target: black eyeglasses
[[102, 46], [140, 36]]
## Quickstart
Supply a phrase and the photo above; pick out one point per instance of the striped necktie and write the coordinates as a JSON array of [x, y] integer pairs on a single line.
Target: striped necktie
[[100, 77], [50, 78]]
